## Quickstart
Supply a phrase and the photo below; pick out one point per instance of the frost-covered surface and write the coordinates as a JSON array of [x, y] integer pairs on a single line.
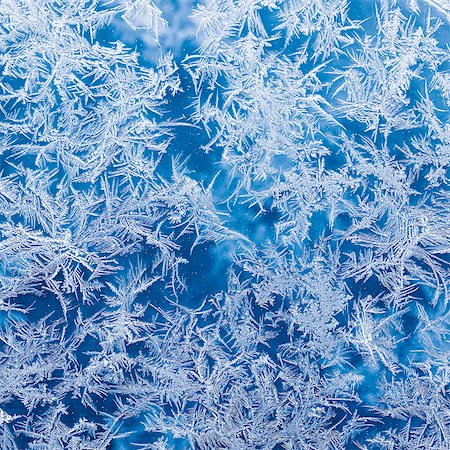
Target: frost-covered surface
[[224, 225]]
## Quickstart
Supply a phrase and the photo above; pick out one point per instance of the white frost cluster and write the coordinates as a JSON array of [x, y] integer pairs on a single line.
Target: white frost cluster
[[244, 245]]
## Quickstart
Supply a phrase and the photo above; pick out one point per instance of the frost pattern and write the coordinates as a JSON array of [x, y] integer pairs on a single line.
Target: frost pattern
[[224, 225]]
